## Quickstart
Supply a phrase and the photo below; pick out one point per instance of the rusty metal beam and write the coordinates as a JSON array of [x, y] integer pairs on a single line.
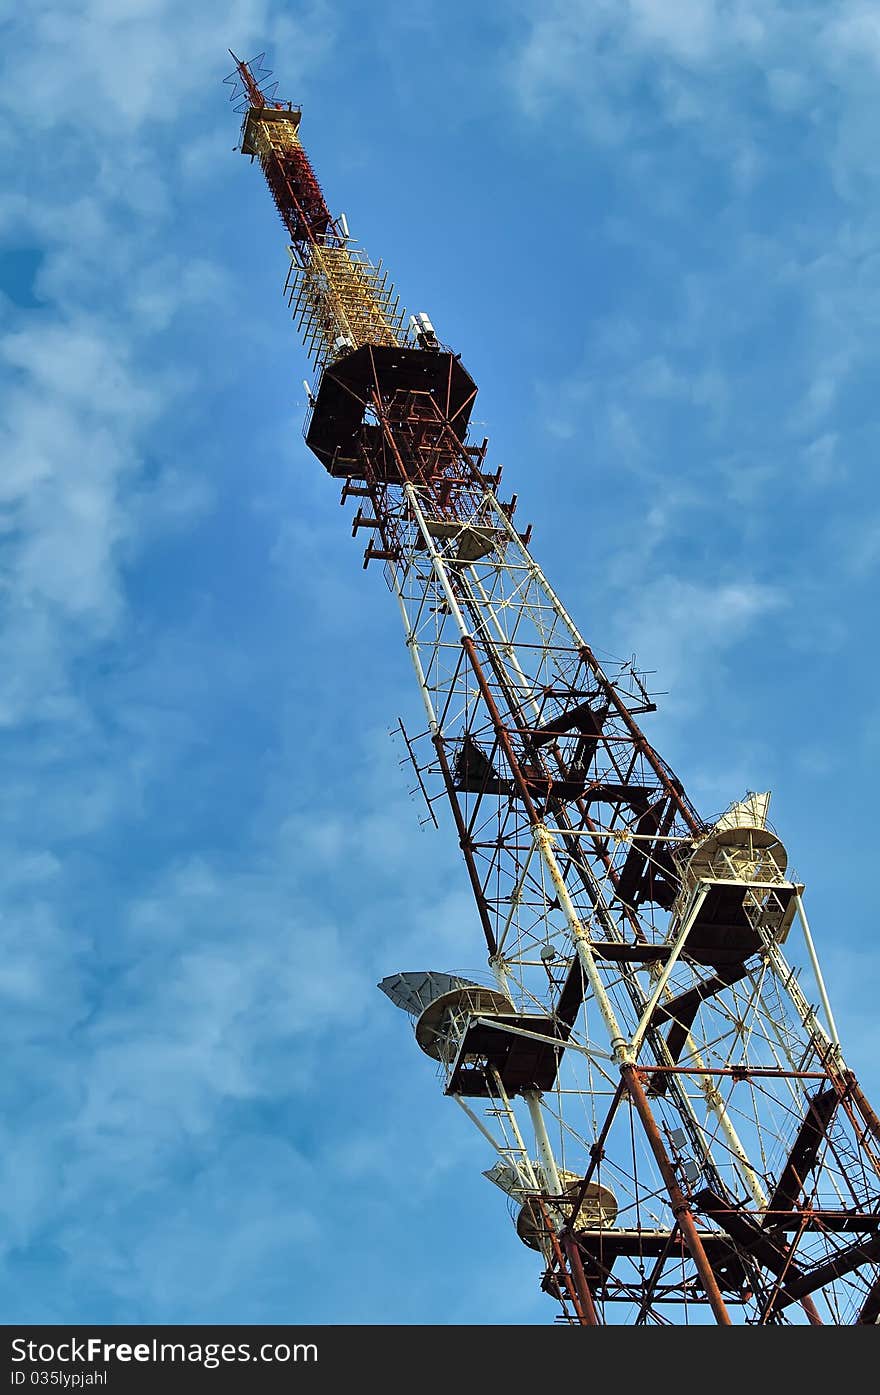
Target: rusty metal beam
[[680, 1208]]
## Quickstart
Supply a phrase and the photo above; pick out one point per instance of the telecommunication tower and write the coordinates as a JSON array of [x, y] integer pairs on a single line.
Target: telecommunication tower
[[667, 1106]]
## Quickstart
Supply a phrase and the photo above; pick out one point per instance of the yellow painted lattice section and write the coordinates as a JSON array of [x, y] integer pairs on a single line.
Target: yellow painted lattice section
[[341, 302], [267, 130]]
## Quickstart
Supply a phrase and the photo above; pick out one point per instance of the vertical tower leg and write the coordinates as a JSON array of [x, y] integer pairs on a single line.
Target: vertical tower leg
[[680, 1208]]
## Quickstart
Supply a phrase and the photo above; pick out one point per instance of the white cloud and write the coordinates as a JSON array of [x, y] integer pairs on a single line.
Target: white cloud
[[73, 410], [692, 64], [854, 32], [680, 629], [859, 545], [823, 465], [113, 66], [688, 30], [138, 1011]]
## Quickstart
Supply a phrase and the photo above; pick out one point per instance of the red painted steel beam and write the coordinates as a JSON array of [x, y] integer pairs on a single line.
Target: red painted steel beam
[[680, 1208]]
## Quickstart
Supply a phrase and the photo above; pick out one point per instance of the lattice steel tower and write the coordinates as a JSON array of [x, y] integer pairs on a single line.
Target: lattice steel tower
[[669, 1110]]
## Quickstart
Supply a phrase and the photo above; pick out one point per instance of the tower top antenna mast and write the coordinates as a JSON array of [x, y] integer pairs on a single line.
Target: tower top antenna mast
[[250, 83]]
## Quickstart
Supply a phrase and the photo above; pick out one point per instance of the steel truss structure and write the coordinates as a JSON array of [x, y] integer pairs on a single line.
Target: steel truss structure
[[669, 1111]]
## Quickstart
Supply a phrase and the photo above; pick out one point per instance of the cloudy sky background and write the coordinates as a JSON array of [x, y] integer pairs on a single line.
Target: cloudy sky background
[[652, 228]]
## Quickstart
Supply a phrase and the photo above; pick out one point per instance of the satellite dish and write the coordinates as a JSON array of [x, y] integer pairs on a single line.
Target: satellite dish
[[507, 1177], [598, 1211], [415, 991]]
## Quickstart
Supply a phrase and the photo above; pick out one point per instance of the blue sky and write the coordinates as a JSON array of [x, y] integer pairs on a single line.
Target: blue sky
[[651, 228]]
